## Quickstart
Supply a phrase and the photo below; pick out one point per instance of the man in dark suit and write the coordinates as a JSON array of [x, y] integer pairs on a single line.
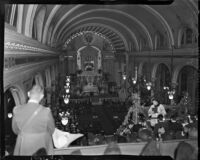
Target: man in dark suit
[[33, 124]]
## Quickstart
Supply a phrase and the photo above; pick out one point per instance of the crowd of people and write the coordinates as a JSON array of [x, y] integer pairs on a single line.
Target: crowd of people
[[34, 129], [142, 125]]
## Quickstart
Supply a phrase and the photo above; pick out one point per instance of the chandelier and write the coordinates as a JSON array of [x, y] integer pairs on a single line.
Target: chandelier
[[149, 85], [67, 90], [171, 94], [134, 79], [64, 117], [124, 76]]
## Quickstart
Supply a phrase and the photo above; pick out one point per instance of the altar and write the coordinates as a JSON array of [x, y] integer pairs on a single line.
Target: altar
[[89, 64]]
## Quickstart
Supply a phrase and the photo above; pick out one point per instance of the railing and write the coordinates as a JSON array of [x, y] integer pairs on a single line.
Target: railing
[[166, 148]]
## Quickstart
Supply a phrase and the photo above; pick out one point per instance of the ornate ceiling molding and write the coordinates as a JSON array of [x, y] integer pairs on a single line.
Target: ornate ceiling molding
[[18, 46], [15, 41], [48, 22], [164, 23], [28, 19], [97, 25], [110, 10], [114, 29], [59, 22]]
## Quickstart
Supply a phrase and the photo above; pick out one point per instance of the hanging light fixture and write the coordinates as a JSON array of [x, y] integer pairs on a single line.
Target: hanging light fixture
[[124, 76], [67, 90], [171, 91], [148, 83], [134, 79], [10, 115], [66, 100], [171, 94]]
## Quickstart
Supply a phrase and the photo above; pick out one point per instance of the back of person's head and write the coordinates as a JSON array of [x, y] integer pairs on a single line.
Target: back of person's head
[[150, 149], [37, 92], [145, 134], [193, 132], [184, 151], [160, 117], [173, 117]]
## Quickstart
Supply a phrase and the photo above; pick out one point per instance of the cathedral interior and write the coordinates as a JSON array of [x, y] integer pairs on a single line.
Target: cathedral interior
[[95, 59]]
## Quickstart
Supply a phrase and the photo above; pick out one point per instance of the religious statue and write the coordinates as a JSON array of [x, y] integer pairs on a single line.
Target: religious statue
[[134, 110]]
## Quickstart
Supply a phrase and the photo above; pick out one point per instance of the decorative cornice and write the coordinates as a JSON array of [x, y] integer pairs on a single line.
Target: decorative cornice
[[181, 51], [18, 46], [16, 41]]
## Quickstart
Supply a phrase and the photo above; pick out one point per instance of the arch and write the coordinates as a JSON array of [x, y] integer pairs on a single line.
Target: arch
[[126, 15], [177, 71], [20, 17], [119, 23], [46, 26], [18, 93], [79, 57], [49, 35], [163, 21], [105, 26], [59, 22], [155, 67], [116, 11], [32, 19], [29, 17], [38, 23]]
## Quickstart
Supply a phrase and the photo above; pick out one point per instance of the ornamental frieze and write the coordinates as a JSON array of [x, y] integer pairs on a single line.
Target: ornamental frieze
[[17, 46]]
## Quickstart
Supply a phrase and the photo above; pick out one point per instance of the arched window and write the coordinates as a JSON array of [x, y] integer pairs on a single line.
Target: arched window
[[11, 12], [38, 24], [160, 41], [188, 37]]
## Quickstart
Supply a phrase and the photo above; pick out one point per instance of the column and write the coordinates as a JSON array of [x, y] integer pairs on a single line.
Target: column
[[49, 91]]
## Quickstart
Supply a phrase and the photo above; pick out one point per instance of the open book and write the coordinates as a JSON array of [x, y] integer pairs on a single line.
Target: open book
[[63, 139]]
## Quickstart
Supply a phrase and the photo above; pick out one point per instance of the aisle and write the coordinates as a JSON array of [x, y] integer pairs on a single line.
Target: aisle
[[105, 120]]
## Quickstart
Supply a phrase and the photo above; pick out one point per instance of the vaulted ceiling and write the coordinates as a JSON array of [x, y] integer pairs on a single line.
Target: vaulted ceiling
[[123, 25]]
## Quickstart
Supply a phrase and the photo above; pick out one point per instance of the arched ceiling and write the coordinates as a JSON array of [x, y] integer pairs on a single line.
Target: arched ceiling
[[122, 25]]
